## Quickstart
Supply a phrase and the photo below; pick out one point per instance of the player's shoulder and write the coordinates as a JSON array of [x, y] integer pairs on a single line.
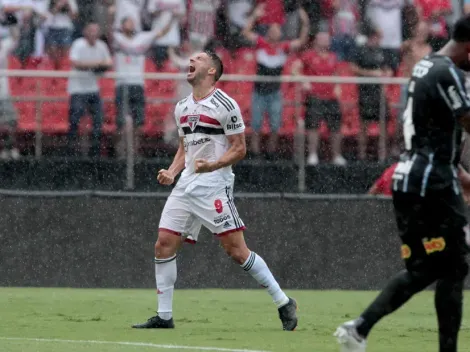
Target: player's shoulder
[[181, 105], [223, 102]]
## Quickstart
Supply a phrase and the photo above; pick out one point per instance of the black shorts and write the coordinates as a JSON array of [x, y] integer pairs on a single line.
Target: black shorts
[[433, 231], [369, 110], [327, 110], [136, 105]]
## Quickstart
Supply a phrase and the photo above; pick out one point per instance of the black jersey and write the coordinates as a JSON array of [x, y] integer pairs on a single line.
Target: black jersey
[[437, 98]]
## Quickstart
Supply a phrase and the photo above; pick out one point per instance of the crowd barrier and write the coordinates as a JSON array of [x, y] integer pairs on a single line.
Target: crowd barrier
[[299, 138], [103, 239]]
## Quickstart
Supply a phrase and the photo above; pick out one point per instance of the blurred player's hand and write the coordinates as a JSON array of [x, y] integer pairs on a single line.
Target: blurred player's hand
[[202, 166], [165, 177]]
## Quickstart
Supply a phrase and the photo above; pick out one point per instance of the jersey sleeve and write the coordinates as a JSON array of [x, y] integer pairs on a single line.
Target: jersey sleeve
[[232, 122], [178, 120], [451, 88]]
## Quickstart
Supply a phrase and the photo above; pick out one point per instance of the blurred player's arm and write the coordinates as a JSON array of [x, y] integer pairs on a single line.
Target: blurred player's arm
[[167, 177]]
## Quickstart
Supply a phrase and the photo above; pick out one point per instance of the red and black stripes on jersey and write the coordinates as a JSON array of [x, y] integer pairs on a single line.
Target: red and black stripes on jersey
[[200, 124]]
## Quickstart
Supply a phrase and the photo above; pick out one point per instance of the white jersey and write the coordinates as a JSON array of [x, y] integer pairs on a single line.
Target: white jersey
[[205, 125]]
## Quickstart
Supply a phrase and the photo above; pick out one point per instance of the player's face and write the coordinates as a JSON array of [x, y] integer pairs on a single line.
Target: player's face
[[199, 66]]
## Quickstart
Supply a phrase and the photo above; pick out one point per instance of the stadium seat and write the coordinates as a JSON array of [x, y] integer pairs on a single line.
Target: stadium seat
[[107, 88], [26, 116], [24, 86], [55, 117]]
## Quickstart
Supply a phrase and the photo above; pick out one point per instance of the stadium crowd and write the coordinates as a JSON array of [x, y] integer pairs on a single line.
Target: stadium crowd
[[374, 38]]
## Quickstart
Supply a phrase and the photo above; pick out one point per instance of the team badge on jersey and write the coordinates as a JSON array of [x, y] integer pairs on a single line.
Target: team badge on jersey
[[193, 120]]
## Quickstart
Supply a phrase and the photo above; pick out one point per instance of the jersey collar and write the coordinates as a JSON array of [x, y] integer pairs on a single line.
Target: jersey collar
[[204, 98]]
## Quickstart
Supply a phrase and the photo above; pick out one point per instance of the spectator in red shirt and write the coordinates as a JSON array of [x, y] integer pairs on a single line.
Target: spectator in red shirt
[[271, 55], [433, 12], [383, 186], [322, 98]]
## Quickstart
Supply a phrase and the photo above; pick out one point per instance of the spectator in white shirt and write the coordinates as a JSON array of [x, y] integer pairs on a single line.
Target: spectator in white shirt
[[128, 8], [61, 27], [8, 115], [90, 57], [386, 16], [163, 12], [130, 48]]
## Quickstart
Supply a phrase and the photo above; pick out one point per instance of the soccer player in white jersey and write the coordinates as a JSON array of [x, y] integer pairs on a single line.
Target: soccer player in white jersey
[[212, 139]]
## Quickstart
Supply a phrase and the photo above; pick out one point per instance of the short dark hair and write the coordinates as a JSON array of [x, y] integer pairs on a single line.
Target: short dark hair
[[461, 32], [219, 66]]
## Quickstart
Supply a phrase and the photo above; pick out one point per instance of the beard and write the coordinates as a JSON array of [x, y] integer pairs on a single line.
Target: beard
[[195, 79]]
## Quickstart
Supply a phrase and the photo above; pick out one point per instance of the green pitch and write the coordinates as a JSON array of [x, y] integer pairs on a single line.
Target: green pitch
[[39, 320]]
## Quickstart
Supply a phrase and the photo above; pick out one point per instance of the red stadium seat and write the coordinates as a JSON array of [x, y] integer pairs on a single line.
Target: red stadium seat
[[107, 88], [55, 117], [26, 116], [24, 86]]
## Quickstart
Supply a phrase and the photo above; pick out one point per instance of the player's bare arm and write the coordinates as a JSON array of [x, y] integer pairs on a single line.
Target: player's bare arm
[[167, 177], [234, 154]]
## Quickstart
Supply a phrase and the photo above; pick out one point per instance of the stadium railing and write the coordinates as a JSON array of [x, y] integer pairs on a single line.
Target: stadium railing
[[299, 137]]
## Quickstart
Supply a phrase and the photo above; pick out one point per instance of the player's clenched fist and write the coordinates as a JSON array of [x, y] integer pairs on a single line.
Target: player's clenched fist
[[165, 177], [202, 166]]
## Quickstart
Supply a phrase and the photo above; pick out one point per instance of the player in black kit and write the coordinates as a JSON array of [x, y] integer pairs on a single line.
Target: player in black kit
[[427, 196]]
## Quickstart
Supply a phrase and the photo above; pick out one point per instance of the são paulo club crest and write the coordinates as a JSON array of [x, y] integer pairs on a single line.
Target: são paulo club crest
[[193, 121]]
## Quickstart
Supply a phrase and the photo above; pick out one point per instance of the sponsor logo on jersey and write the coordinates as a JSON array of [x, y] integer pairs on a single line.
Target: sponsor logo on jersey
[[227, 225], [221, 218], [193, 120], [454, 97], [405, 251], [196, 142], [434, 245], [234, 126], [219, 208]]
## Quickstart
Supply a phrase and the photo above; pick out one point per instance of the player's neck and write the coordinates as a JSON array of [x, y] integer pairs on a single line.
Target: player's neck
[[457, 53], [202, 91]]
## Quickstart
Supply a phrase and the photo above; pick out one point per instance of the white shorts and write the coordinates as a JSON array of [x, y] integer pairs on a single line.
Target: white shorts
[[187, 209]]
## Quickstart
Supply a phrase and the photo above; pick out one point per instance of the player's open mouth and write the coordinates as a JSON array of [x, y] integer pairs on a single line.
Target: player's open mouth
[[192, 69]]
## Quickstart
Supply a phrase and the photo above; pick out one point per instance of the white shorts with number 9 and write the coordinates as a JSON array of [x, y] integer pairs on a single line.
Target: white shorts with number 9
[[187, 209]]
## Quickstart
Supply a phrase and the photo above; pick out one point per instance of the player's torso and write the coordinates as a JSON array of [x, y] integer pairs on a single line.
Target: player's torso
[[204, 135], [432, 134]]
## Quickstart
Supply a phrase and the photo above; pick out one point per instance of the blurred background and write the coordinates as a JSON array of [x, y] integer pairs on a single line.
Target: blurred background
[[60, 132]]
